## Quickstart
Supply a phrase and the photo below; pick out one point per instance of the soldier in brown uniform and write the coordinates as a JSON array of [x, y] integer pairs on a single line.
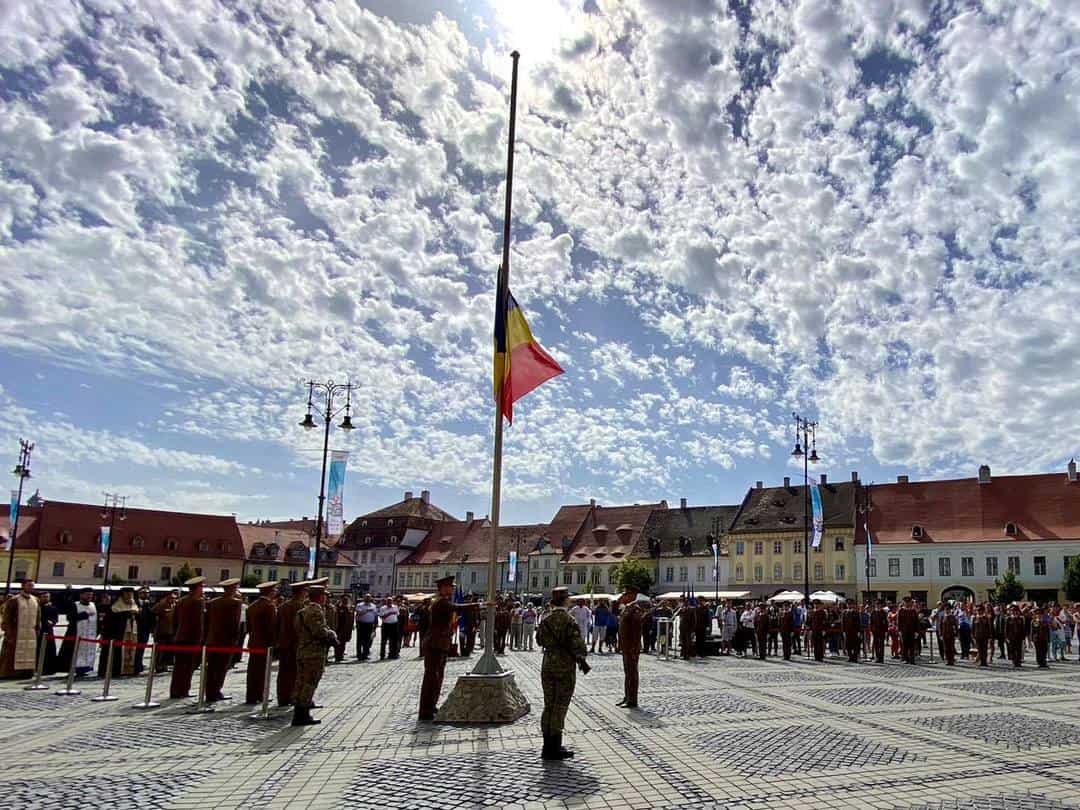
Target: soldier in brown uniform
[[165, 627], [907, 623], [223, 631], [1040, 637], [879, 629], [262, 622], [313, 639], [630, 620], [787, 630], [286, 646], [435, 646], [819, 624], [983, 631], [1015, 630], [703, 627], [851, 624], [761, 630], [345, 620], [190, 630], [949, 627], [687, 625], [330, 613], [502, 625]]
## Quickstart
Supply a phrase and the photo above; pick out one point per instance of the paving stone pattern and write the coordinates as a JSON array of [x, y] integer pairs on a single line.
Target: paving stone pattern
[[713, 734]]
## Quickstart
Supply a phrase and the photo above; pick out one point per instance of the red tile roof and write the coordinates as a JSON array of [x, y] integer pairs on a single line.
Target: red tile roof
[[267, 543], [412, 507], [459, 542], [607, 534], [29, 527], [1042, 507], [195, 535]]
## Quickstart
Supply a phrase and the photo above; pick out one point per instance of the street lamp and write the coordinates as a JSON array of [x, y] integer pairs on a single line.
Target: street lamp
[[115, 506], [866, 506], [22, 472], [331, 391], [806, 431]]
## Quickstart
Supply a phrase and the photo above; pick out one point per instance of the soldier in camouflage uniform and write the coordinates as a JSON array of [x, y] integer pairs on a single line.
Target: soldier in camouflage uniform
[[564, 649], [313, 639]]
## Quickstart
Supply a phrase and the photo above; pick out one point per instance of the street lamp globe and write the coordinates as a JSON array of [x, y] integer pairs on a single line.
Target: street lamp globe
[[346, 423], [797, 452], [308, 422]]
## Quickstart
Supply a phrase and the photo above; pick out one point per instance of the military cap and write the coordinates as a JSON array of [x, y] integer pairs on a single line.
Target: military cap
[[265, 586], [319, 583], [227, 583], [86, 589], [127, 588], [191, 583], [302, 584], [560, 589], [447, 580]]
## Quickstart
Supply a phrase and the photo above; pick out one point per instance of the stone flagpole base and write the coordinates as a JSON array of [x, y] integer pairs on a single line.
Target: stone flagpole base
[[484, 699]]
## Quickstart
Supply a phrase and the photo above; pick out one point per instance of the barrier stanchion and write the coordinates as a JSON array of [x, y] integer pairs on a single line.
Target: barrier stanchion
[[264, 710], [37, 685], [201, 705], [148, 701], [105, 697], [68, 688]]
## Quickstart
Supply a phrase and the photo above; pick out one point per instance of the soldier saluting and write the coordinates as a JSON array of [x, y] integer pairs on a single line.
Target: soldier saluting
[[313, 639], [564, 649], [435, 646], [879, 628]]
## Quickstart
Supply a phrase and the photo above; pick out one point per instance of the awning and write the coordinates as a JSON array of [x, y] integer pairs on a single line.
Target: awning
[[825, 596], [707, 595], [788, 596]]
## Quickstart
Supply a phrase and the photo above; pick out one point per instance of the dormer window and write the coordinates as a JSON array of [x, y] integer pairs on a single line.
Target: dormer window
[[137, 541], [171, 544], [223, 547], [917, 532], [390, 522], [65, 538], [363, 524], [203, 545], [1010, 529]]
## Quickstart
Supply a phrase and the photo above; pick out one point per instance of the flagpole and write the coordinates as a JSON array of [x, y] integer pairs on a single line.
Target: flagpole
[[488, 664]]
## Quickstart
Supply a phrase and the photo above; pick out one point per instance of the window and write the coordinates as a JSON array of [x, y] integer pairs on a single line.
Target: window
[[472, 577], [581, 576], [759, 573], [1040, 566], [967, 566], [778, 547], [223, 547], [401, 580], [198, 572], [777, 572], [819, 571], [20, 571], [133, 572], [427, 579], [838, 544], [894, 566], [225, 574], [739, 572], [1010, 529], [166, 573], [944, 567], [873, 567], [1014, 564], [547, 562], [759, 547], [611, 576], [390, 522], [817, 549], [547, 581], [840, 572], [740, 547], [99, 571], [170, 544], [916, 531], [669, 574], [796, 572], [536, 582], [700, 573], [337, 578], [363, 557], [65, 538], [991, 566], [57, 569], [682, 573], [137, 541], [797, 548], [918, 567], [203, 545], [567, 577]]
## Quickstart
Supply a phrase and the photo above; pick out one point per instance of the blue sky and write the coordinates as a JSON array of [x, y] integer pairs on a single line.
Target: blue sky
[[723, 212]]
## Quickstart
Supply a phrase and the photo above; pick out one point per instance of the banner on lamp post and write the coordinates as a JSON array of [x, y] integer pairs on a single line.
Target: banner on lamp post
[[311, 560], [511, 572], [13, 518], [819, 518], [104, 545], [335, 513]]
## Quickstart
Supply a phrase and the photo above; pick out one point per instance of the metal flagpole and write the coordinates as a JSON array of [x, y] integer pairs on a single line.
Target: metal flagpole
[[488, 664]]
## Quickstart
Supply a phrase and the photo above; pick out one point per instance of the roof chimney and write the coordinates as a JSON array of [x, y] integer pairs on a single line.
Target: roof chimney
[[759, 485], [824, 479], [1072, 470], [592, 502], [682, 503], [854, 476], [305, 517], [787, 482], [984, 474], [408, 494], [425, 496], [901, 479], [469, 517]]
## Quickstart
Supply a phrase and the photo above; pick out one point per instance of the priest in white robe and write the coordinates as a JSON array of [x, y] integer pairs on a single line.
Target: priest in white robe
[[21, 621], [82, 621]]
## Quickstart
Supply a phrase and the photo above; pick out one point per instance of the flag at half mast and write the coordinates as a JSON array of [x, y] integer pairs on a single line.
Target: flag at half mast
[[521, 364]]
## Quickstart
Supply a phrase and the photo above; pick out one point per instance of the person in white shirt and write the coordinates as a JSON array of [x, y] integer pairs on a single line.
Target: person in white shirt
[[582, 614], [367, 617], [391, 634], [528, 625]]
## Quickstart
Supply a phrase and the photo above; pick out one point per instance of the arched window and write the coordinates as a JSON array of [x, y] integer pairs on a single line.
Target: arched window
[[917, 531], [137, 541], [64, 537], [203, 545]]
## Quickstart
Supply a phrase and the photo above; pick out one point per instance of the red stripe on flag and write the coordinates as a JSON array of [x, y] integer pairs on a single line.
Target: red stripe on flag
[[530, 366]]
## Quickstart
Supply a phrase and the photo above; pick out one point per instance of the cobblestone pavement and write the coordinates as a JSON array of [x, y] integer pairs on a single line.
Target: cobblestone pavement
[[718, 733]]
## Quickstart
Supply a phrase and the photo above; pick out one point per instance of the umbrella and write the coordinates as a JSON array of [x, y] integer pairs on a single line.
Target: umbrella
[[825, 596], [787, 596]]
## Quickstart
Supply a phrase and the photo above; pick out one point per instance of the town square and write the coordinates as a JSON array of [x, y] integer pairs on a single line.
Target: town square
[[540, 404]]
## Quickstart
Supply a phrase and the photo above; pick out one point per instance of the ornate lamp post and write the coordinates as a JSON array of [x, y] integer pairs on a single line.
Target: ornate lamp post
[[22, 472], [807, 432], [115, 506], [331, 390], [866, 506]]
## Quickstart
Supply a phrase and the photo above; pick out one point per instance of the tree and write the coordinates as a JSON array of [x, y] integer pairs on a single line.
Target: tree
[[1007, 589], [116, 579], [631, 573], [249, 581], [183, 575], [1071, 585]]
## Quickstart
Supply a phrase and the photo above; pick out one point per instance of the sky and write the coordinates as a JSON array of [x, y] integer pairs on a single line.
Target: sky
[[724, 212]]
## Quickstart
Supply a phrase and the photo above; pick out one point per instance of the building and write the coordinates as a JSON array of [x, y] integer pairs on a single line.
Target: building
[[679, 544], [25, 563], [951, 539], [594, 539], [380, 541], [765, 544], [148, 546], [282, 554]]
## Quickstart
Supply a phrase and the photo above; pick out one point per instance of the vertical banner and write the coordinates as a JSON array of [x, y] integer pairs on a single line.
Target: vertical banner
[[819, 518], [104, 544], [311, 560], [511, 572], [335, 514], [13, 517], [869, 541]]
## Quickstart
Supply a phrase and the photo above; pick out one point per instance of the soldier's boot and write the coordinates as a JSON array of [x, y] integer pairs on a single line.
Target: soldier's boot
[[302, 717], [565, 752], [553, 749]]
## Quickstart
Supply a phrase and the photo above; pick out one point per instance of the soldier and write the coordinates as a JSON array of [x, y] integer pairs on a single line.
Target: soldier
[[879, 628], [190, 630], [262, 622], [983, 631], [687, 624], [703, 626], [947, 631], [761, 630], [345, 621], [1040, 636], [331, 615], [819, 624], [165, 627], [1015, 630], [564, 649], [630, 621], [313, 639], [787, 629], [286, 646], [907, 622], [435, 646], [222, 630], [851, 624], [502, 625]]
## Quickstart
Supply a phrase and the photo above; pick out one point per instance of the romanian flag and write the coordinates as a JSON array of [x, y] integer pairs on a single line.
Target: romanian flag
[[521, 364]]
